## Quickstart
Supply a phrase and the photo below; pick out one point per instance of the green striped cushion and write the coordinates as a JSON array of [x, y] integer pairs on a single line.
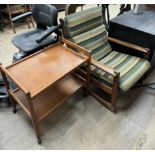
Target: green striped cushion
[[131, 69], [83, 21], [86, 29], [95, 41]]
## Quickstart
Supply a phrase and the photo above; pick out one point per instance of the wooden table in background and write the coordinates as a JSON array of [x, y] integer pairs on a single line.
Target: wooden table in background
[[45, 81]]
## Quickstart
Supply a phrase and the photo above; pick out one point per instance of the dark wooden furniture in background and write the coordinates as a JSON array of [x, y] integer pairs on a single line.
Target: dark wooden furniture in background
[[46, 80], [60, 7], [124, 8], [138, 29], [71, 8], [13, 9], [150, 5], [106, 15]]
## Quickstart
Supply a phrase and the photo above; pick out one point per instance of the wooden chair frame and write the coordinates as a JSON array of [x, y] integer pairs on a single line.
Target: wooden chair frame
[[22, 10], [114, 90]]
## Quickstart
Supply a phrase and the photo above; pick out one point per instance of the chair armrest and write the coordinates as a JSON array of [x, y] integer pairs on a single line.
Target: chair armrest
[[143, 50], [81, 49], [20, 17], [93, 61], [46, 33], [103, 67]]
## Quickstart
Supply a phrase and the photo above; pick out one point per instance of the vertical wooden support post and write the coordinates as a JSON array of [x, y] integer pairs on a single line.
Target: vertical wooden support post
[[10, 18], [31, 18], [115, 89], [27, 19], [33, 117], [87, 76]]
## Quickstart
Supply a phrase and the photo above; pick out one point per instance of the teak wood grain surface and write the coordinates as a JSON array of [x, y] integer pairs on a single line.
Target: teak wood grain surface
[[37, 72], [45, 80]]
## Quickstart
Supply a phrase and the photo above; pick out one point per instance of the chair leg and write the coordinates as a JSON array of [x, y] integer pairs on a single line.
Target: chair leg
[[114, 95], [12, 25], [114, 98], [114, 101], [33, 118], [27, 19], [10, 18], [107, 104], [28, 23], [115, 89], [32, 21]]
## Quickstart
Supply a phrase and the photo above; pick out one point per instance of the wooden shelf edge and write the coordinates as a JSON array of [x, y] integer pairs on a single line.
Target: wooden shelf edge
[[13, 94], [50, 99], [56, 106]]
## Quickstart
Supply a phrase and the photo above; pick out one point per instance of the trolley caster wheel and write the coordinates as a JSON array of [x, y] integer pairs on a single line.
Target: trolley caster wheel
[[85, 95], [114, 110], [39, 141], [14, 110]]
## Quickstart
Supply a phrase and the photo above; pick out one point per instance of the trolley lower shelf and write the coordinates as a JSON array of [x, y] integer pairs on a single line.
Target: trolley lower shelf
[[47, 101]]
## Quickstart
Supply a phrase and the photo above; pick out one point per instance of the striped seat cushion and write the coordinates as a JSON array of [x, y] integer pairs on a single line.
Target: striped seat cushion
[[131, 69]]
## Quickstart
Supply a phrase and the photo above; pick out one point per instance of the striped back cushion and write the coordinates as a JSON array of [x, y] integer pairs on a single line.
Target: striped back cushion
[[86, 29]]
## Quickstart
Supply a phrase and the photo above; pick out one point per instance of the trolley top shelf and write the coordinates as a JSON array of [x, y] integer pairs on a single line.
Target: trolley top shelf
[[41, 70]]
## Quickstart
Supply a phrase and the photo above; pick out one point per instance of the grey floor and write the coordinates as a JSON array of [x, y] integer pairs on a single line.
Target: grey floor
[[82, 123]]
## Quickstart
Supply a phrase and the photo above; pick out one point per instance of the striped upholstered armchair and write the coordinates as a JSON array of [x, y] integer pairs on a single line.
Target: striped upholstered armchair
[[111, 70]]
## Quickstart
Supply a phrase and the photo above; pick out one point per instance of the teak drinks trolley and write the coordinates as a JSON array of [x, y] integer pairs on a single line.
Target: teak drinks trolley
[[46, 80]]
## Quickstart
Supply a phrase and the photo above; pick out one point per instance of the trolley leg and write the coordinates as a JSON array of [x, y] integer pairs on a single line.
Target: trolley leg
[[36, 128], [33, 118]]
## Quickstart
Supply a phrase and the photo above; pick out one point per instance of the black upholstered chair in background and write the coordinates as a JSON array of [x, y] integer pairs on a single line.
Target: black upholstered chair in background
[[42, 36]]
